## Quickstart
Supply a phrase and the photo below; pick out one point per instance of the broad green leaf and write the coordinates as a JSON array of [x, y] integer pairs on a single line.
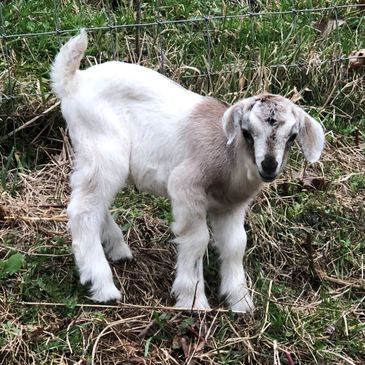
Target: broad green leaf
[[13, 264]]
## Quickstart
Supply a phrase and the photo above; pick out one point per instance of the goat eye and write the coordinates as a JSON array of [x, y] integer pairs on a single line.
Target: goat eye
[[292, 138], [247, 136]]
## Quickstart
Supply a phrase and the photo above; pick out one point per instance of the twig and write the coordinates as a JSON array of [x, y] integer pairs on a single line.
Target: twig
[[103, 332], [288, 357], [126, 305], [60, 218], [34, 119], [60, 206], [348, 361], [145, 330], [266, 324], [321, 274]]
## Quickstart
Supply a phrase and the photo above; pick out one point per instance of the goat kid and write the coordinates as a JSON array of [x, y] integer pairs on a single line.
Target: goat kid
[[129, 124]]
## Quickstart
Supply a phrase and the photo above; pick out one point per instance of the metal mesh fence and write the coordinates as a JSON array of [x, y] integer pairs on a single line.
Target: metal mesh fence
[[230, 49]]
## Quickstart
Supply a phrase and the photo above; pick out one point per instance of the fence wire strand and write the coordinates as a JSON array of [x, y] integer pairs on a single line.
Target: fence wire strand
[[159, 22], [8, 65], [159, 25]]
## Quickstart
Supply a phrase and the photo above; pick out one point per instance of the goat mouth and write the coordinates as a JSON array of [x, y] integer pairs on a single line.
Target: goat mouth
[[267, 178]]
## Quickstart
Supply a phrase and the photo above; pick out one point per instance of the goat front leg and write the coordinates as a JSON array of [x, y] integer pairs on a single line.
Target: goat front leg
[[230, 239], [188, 286], [192, 238]]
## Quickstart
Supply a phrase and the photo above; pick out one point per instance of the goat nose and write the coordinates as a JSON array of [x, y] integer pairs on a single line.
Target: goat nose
[[269, 165]]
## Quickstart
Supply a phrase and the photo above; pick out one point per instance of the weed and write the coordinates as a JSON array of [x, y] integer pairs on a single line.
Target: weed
[[11, 265], [306, 238]]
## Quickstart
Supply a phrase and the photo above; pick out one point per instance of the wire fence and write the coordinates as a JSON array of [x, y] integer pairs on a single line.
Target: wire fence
[[57, 31], [308, 50]]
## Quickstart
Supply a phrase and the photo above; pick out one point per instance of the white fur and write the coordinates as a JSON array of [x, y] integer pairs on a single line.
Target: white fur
[[230, 240], [129, 124]]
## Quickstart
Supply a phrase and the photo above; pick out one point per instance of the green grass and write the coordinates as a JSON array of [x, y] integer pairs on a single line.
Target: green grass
[[300, 315], [305, 254]]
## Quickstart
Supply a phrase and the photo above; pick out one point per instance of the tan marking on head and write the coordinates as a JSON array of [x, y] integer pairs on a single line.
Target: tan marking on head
[[270, 143]]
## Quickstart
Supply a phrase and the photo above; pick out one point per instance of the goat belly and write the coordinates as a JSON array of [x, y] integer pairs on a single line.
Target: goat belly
[[150, 179]]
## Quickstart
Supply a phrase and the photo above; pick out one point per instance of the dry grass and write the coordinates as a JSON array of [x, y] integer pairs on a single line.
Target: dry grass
[[306, 234], [309, 291]]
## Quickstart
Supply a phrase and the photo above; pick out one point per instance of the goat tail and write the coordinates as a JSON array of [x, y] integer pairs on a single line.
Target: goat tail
[[67, 62]]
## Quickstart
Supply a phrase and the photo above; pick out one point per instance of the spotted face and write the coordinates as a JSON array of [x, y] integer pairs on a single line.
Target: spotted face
[[269, 125]]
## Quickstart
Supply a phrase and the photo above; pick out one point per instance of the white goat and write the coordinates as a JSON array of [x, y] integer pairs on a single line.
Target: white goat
[[129, 124]]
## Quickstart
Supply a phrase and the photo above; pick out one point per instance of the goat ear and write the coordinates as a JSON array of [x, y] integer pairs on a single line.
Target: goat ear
[[231, 122], [310, 135]]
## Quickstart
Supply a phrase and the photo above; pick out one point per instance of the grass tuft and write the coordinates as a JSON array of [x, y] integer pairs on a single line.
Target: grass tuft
[[306, 238]]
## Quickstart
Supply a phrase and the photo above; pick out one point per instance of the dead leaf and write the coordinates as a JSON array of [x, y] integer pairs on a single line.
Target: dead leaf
[[200, 345], [37, 332], [327, 26], [361, 5], [297, 95], [149, 330], [330, 330], [180, 342], [2, 215], [186, 346], [313, 183], [357, 59]]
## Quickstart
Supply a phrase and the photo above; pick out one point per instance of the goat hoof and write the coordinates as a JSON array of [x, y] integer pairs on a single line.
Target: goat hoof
[[105, 294], [243, 306], [187, 305], [120, 252]]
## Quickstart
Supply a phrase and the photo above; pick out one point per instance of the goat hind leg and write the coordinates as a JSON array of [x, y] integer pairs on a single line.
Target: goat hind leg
[[85, 213], [94, 183], [115, 246]]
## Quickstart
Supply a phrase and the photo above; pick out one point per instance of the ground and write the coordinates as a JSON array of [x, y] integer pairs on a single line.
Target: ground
[[306, 238], [305, 261]]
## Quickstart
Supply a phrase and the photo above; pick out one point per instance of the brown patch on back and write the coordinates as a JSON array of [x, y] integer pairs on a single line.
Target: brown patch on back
[[215, 159], [208, 145], [210, 109], [205, 130]]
